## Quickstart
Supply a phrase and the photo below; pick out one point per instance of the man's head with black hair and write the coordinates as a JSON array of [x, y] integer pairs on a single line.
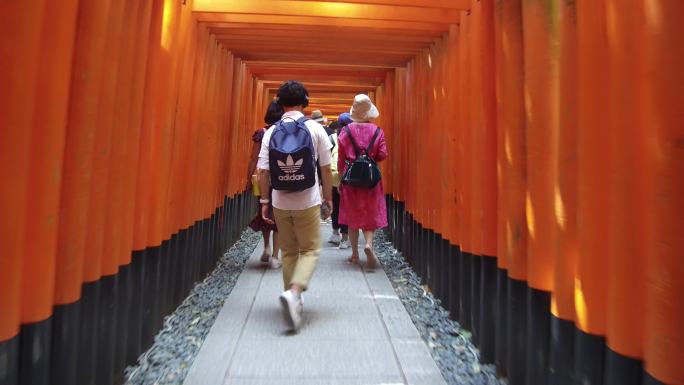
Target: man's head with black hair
[[293, 93]]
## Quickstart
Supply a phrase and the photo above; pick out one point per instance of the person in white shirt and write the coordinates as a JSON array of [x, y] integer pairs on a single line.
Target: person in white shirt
[[297, 213]]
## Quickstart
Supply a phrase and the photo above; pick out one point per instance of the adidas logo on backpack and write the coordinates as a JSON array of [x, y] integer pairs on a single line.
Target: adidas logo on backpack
[[291, 140], [289, 168]]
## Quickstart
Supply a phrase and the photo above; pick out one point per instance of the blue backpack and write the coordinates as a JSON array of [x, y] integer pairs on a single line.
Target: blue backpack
[[292, 156]]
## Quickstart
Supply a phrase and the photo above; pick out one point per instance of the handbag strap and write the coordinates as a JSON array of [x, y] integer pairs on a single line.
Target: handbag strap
[[372, 142], [353, 141], [356, 146]]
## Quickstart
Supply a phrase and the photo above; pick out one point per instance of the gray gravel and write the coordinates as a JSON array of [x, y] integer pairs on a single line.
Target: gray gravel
[[450, 345], [184, 331], [167, 362]]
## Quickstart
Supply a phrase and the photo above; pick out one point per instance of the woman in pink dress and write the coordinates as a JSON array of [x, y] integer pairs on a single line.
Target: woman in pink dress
[[362, 208]]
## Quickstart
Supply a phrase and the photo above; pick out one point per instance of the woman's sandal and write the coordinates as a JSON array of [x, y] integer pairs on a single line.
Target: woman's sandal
[[371, 261], [353, 260]]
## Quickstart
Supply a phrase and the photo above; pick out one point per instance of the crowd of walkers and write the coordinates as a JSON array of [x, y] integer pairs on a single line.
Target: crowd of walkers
[[304, 170]]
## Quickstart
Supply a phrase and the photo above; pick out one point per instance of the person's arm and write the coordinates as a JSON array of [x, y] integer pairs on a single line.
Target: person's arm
[[341, 154], [324, 160], [382, 147], [335, 152], [265, 185], [264, 178], [326, 175]]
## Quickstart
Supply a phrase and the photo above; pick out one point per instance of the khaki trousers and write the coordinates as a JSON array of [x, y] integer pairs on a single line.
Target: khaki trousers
[[299, 237]]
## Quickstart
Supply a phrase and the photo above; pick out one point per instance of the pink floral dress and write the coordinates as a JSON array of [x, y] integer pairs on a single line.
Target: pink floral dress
[[361, 208]]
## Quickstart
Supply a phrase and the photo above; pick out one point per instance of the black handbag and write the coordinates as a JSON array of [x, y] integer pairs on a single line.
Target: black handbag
[[363, 172]]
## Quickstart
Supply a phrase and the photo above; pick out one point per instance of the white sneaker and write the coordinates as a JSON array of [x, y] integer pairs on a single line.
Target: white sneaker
[[275, 263], [335, 239], [292, 309], [344, 244]]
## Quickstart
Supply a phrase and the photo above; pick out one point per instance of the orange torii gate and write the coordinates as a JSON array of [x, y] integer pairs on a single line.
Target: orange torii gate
[[535, 182]]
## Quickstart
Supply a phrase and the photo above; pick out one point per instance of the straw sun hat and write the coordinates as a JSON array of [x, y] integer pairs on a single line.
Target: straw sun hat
[[363, 109]]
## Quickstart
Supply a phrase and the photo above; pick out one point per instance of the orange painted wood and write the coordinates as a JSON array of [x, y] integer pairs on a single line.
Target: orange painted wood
[[192, 135], [400, 137], [381, 49], [328, 10], [237, 106], [441, 155], [195, 166], [332, 34], [475, 145], [487, 137], [112, 253], [512, 245], [631, 182], [331, 79], [207, 130], [414, 88], [215, 143], [84, 96], [247, 128], [453, 127], [178, 199], [663, 59], [211, 17], [96, 262], [565, 203], [413, 203], [147, 178], [211, 142], [46, 158], [19, 57], [456, 4], [375, 31], [540, 24], [163, 128], [591, 285], [203, 152], [388, 125], [182, 20], [501, 161], [134, 213], [465, 137], [123, 121], [226, 127], [178, 115], [234, 122]]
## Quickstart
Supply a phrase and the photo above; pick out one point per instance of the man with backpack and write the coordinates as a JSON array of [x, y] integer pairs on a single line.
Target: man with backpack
[[287, 163]]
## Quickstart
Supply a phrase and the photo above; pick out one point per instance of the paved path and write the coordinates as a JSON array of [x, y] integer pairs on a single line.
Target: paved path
[[355, 331]]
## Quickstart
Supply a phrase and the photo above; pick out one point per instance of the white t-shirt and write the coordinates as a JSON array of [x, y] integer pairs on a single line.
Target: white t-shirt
[[299, 200]]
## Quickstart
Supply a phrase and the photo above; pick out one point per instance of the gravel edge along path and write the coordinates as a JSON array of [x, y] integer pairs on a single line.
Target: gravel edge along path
[[450, 344], [167, 362], [176, 345]]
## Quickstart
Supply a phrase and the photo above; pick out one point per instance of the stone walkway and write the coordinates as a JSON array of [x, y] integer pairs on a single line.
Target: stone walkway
[[355, 331]]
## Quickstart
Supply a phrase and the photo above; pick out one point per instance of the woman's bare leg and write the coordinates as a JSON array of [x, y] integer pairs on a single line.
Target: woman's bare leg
[[275, 263], [371, 261], [354, 238], [276, 250], [266, 255]]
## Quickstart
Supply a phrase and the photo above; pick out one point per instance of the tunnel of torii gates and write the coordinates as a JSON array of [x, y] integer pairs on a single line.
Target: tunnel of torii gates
[[535, 178]]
